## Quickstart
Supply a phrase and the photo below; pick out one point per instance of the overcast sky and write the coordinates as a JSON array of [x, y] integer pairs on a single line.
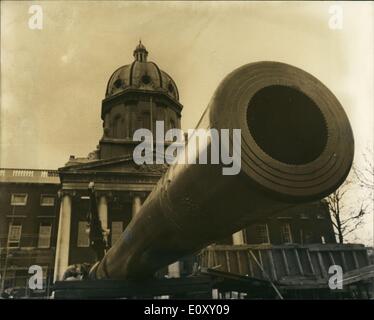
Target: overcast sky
[[53, 80]]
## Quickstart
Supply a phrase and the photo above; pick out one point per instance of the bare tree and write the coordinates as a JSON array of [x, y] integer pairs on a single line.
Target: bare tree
[[344, 219], [365, 175], [347, 212]]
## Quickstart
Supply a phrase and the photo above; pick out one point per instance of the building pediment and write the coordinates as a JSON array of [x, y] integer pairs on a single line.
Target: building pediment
[[116, 165]]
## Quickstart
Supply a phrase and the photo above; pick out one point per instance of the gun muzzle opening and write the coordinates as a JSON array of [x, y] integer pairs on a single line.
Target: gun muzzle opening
[[287, 124]]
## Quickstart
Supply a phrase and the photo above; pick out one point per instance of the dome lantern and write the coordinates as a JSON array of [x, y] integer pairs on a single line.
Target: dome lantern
[[140, 52]]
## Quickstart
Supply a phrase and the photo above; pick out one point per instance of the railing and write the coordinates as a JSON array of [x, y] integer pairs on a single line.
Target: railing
[[29, 175], [286, 264]]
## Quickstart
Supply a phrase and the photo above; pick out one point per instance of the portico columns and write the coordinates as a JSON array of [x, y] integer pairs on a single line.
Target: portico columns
[[63, 237], [136, 204], [103, 214]]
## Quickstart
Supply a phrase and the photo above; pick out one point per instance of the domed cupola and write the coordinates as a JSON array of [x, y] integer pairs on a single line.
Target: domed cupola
[[143, 75], [137, 95]]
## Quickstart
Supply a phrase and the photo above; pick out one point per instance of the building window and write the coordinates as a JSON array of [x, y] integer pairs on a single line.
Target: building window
[[172, 124], [118, 127], [18, 199], [286, 233], [83, 238], [262, 233], [146, 120], [44, 240], [117, 229], [14, 235], [47, 200], [118, 83], [146, 79]]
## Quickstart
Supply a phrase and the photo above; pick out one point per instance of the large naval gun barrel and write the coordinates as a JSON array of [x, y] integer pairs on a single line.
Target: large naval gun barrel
[[296, 146]]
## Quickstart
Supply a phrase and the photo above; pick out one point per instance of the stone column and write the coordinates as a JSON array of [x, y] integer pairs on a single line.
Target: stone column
[[136, 204], [103, 215], [238, 238], [63, 238]]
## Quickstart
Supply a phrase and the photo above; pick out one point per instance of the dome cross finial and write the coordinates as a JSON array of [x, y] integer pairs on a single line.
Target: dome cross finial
[[140, 52]]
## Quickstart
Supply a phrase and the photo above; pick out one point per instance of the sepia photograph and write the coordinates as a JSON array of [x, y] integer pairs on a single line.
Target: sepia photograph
[[187, 151]]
